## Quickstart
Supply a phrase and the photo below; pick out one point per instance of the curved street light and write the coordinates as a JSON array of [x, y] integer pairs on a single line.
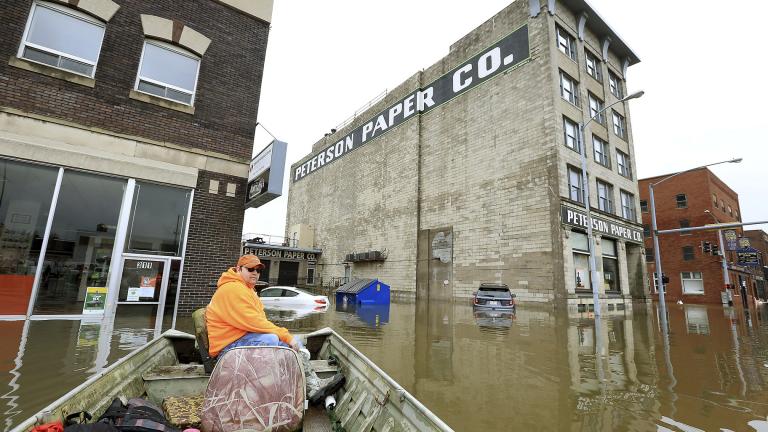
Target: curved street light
[[593, 276]]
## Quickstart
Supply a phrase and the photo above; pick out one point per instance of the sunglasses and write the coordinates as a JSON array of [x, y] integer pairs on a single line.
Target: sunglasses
[[253, 269]]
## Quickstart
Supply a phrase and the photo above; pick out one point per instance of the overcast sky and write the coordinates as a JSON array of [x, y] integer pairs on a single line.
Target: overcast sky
[[702, 69]]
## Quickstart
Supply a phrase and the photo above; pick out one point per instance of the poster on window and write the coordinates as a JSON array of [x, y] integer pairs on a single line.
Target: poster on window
[[147, 287], [95, 299], [133, 294]]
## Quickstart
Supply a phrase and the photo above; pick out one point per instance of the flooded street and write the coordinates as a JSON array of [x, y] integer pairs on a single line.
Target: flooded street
[[538, 369]]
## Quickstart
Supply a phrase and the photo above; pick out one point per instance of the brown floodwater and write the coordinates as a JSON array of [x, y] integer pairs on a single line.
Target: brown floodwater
[[538, 369]]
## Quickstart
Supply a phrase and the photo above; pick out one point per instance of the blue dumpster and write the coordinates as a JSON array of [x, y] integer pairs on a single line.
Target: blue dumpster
[[363, 292]]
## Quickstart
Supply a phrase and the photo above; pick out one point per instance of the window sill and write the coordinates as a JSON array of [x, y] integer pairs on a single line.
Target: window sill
[[165, 103], [693, 294], [51, 71]]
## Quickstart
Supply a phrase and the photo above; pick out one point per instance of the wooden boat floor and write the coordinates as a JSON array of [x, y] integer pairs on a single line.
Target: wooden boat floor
[[316, 420]]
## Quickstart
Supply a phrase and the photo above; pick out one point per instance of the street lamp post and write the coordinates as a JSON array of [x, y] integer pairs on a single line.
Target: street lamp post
[[594, 279], [724, 261], [654, 230]]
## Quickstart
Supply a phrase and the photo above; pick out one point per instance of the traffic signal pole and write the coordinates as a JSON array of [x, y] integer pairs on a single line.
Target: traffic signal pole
[[719, 227], [726, 276]]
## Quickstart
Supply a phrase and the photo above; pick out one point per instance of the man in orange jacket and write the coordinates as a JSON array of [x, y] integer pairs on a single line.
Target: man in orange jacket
[[235, 317]]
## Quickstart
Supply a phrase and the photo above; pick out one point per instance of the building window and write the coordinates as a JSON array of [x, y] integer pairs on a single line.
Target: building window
[[619, 125], [580, 247], [624, 166], [722, 205], [714, 200], [168, 71], [614, 82], [730, 211], [571, 130], [604, 196], [646, 230], [602, 152], [569, 88], [627, 205], [685, 223], [644, 206], [596, 107], [27, 191], [84, 228], [158, 219], [649, 257], [681, 201], [310, 276], [594, 68], [692, 283], [575, 185], [610, 265], [688, 253], [566, 43], [63, 38]]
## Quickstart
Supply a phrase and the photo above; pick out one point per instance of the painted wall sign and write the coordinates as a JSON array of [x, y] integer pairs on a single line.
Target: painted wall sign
[[280, 254], [578, 218], [499, 57], [265, 175]]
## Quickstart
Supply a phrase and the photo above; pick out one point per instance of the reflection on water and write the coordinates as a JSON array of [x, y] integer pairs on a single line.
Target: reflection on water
[[536, 369]]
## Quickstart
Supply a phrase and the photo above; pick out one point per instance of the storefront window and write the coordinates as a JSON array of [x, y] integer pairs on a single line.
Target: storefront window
[[158, 219], [580, 247], [79, 251], [610, 265], [26, 192]]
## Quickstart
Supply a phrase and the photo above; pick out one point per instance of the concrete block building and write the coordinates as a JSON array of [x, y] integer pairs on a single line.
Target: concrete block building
[[126, 130], [470, 170], [694, 268]]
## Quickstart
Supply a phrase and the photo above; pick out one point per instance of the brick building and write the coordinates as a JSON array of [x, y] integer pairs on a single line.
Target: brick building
[[126, 130], [695, 271], [469, 171]]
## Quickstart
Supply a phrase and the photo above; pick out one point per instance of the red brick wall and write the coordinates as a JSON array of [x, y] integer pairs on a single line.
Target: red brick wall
[[228, 88], [698, 185]]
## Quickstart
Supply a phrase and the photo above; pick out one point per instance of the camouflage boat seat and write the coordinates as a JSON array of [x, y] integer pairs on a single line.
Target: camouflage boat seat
[[201, 335]]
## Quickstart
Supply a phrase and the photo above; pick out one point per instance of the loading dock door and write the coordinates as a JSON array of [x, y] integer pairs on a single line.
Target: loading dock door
[[288, 273]]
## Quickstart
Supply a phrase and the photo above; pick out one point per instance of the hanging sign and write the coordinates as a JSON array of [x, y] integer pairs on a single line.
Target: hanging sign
[[731, 240], [265, 175], [95, 299], [748, 256]]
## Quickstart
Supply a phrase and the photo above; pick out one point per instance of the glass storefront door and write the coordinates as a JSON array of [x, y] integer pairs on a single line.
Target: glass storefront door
[[142, 296]]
